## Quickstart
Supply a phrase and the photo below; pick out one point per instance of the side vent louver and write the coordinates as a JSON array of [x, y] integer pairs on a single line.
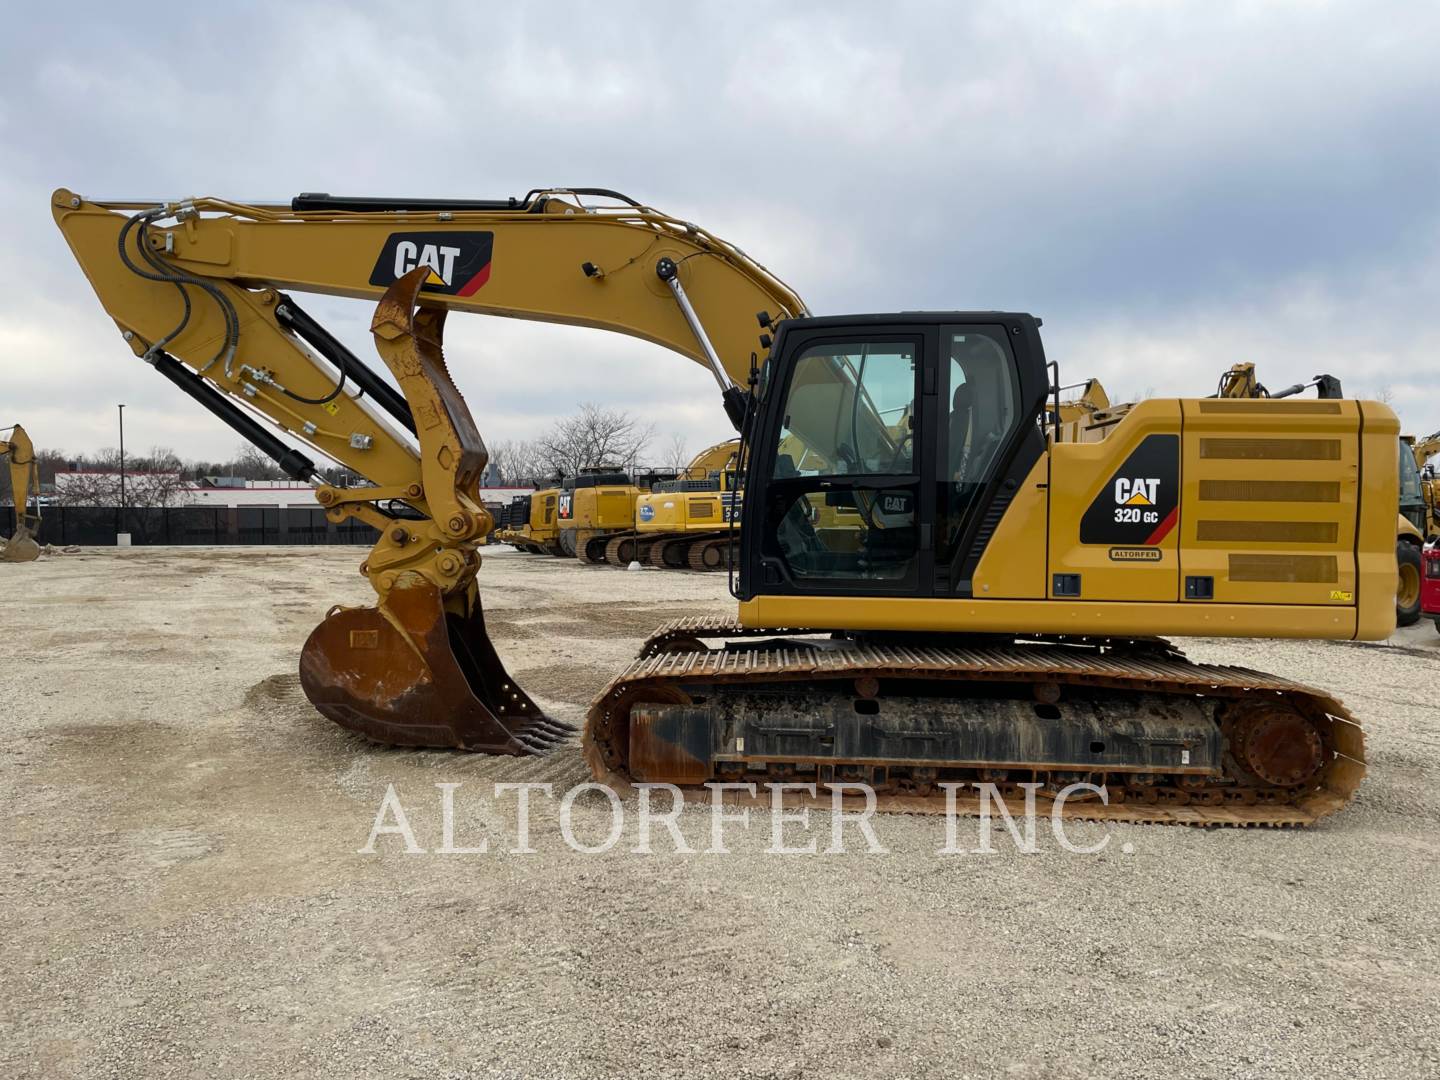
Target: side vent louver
[[1316, 491], [989, 523], [1268, 532], [1271, 449], [1306, 568]]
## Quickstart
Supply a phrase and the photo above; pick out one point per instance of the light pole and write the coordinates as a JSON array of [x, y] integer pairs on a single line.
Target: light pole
[[122, 457]]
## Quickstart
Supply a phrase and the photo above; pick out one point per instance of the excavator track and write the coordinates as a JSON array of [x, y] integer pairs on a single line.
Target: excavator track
[[593, 550], [1218, 745], [626, 548], [667, 554], [708, 556]]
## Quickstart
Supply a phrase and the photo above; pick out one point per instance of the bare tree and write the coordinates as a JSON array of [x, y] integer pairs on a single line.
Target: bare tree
[[152, 480], [518, 461], [594, 437], [49, 462], [251, 464], [248, 463], [676, 457]]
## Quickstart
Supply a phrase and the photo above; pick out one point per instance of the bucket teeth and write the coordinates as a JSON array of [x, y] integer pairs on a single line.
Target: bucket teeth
[[538, 743], [557, 728], [544, 734]]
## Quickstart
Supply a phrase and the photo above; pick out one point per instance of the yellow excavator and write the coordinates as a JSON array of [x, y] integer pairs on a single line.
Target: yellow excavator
[[686, 522], [992, 614], [512, 522], [1241, 382], [24, 480], [531, 523], [597, 514], [542, 532]]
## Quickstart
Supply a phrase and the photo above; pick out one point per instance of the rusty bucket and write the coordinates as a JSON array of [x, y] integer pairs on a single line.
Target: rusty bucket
[[418, 675], [19, 548]]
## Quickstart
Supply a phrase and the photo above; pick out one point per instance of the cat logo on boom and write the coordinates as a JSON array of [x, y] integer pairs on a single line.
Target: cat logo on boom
[[459, 262]]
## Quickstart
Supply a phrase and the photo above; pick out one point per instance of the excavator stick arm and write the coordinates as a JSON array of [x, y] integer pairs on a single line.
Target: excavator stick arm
[[418, 669]]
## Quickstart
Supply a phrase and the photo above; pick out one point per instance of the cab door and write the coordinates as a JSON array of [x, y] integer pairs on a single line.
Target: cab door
[[847, 502]]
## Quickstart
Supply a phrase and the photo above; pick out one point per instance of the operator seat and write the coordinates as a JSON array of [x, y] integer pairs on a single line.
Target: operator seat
[[960, 405]]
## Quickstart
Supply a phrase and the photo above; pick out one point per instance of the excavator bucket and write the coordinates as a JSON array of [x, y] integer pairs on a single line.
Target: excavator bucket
[[417, 675], [20, 548]]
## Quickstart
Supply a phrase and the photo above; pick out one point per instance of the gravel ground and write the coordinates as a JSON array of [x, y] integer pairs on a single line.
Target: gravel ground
[[181, 892]]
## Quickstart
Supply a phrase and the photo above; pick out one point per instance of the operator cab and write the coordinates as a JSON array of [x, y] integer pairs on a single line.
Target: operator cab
[[1412, 491], [894, 444]]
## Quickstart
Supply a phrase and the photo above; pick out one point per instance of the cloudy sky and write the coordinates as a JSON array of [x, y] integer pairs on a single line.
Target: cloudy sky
[[1173, 186]]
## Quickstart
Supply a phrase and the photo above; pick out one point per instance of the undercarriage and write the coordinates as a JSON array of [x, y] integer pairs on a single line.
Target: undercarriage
[[928, 722]]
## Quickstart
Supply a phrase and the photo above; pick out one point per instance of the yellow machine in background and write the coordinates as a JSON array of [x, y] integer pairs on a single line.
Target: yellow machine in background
[[1418, 495], [24, 482], [596, 514], [512, 524], [991, 612], [530, 523], [686, 522], [539, 533]]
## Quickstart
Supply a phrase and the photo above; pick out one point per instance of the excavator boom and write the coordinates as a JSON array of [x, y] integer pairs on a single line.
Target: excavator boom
[[550, 257]]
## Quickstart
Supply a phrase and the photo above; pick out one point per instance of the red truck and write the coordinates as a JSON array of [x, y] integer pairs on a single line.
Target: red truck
[[1430, 585]]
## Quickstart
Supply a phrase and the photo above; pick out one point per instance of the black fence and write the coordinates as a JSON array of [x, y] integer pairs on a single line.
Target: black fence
[[94, 526]]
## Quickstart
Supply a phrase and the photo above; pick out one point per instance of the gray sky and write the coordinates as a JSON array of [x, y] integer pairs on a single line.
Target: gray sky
[[1173, 186]]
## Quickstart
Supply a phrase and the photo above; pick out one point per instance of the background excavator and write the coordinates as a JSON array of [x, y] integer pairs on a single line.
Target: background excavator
[[542, 531], [989, 614], [597, 511], [24, 481], [511, 520], [530, 523], [685, 522]]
